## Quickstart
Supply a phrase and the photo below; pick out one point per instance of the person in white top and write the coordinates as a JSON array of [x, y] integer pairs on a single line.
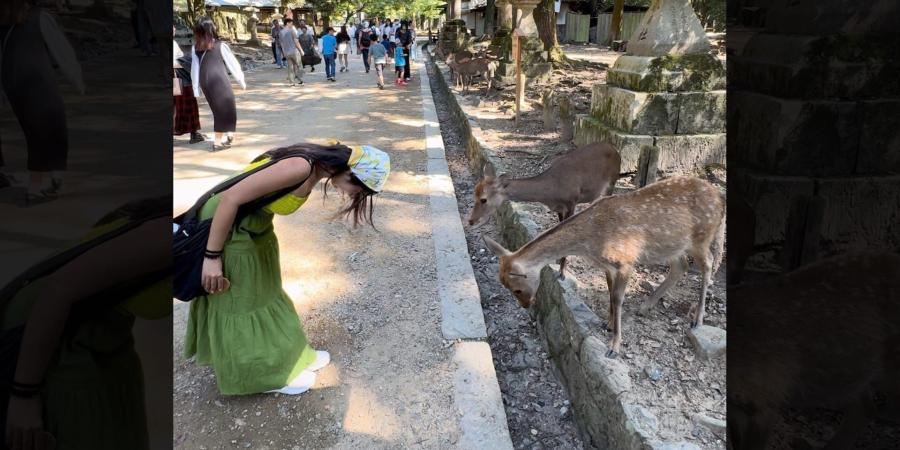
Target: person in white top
[[210, 60]]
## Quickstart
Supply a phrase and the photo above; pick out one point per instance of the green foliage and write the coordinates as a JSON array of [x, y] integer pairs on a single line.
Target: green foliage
[[711, 13]]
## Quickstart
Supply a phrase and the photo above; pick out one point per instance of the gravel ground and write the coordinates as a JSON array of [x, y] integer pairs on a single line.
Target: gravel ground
[[682, 384], [537, 405]]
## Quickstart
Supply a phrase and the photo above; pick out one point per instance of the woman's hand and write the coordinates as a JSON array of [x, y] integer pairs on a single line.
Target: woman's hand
[[213, 281], [24, 426]]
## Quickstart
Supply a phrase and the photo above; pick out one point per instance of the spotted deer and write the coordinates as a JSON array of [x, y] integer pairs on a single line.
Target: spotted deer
[[662, 223], [579, 176]]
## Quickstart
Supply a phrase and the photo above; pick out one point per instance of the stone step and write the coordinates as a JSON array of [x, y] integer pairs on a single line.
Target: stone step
[[813, 138], [659, 113], [678, 154], [668, 73], [809, 67]]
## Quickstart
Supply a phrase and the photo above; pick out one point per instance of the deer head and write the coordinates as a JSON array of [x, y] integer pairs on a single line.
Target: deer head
[[490, 193], [521, 280]]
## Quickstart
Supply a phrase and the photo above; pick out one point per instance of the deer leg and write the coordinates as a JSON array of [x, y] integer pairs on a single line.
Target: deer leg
[[617, 296], [705, 261], [609, 289], [562, 261], [677, 268]]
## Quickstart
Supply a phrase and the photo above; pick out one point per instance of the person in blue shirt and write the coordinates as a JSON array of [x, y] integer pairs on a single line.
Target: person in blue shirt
[[388, 45], [399, 63], [329, 46]]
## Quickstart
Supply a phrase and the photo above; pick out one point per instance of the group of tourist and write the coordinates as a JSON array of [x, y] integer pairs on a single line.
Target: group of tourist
[[294, 46]]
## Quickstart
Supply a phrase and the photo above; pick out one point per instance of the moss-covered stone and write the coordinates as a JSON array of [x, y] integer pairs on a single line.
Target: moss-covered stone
[[668, 73]]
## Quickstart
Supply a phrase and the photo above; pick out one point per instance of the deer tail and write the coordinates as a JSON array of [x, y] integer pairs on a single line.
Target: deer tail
[[718, 244]]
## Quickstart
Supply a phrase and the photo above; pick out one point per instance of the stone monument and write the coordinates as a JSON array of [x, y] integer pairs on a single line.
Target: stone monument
[[251, 24], [501, 44], [665, 95], [534, 58]]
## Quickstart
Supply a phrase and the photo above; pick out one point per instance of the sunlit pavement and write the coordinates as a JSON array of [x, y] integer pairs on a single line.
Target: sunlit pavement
[[367, 296]]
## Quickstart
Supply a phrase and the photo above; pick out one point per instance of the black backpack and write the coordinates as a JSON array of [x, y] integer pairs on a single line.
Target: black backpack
[[189, 241], [367, 39]]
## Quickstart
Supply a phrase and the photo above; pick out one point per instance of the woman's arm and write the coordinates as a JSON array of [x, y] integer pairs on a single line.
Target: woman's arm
[[279, 176], [195, 72], [282, 174], [233, 65]]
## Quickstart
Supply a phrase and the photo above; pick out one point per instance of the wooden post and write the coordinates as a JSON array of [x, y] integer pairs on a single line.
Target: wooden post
[[648, 164], [520, 77], [567, 119]]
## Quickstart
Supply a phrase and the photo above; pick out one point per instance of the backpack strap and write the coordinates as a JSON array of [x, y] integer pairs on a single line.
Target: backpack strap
[[249, 207]]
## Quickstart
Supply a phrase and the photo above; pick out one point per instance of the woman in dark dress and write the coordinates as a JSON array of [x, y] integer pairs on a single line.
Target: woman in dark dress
[[212, 60], [32, 44]]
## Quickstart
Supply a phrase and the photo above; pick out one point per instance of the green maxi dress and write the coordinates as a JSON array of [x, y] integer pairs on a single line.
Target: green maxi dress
[[250, 334]]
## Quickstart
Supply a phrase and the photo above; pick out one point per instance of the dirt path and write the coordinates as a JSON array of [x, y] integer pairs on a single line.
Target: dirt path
[[368, 297]]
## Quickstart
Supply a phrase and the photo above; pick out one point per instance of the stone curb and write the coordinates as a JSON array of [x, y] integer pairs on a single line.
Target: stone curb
[[479, 403], [597, 386]]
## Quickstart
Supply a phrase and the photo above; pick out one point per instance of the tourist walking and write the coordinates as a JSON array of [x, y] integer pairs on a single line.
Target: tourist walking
[[378, 55], [329, 49], [399, 63], [343, 48], [365, 41], [388, 46], [293, 53], [353, 38], [32, 45], [405, 40], [211, 61], [246, 328], [308, 44], [276, 47], [187, 112]]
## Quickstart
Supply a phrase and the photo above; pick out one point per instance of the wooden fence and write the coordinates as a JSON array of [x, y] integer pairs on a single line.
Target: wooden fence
[[630, 21]]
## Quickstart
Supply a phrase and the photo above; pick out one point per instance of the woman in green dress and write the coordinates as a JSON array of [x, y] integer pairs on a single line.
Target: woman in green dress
[[247, 328]]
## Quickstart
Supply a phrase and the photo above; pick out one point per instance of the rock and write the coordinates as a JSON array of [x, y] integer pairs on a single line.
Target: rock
[[649, 286], [709, 342], [715, 425], [534, 432], [641, 420], [563, 411], [653, 372]]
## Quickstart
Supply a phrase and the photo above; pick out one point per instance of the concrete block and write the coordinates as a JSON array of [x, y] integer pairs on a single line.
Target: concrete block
[[688, 153], [478, 400], [794, 137], [668, 73], [709, 342], [589, 130], [701, 112], [635, 112], [608, 377], [771, 198], [861, 211], [879, 141]]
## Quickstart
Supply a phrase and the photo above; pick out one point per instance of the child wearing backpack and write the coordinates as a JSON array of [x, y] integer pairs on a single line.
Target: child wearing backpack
[[399, 63]]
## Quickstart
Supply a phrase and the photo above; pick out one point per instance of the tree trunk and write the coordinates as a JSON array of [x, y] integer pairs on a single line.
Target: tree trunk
[[545, 18], [489, 17], [616, 25]]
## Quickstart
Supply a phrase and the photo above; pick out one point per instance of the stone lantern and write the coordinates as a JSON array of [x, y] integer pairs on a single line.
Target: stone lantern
[[663, 105]]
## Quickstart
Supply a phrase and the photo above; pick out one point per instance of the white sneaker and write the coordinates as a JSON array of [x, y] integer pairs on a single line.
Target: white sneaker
[[322, 360], [298, 385]]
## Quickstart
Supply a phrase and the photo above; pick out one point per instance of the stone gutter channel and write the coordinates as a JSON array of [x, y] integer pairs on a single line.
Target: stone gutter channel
[[476, 392], [595, 384]]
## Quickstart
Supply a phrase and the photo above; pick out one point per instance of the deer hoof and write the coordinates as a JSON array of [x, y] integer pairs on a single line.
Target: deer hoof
[[611, 354], [561, 276]]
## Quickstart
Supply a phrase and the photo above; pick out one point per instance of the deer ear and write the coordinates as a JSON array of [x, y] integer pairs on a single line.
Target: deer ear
[[496, 248], [488, 170]]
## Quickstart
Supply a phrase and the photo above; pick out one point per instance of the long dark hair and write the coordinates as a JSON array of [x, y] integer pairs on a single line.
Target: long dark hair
[[332, 160], [205, 34]]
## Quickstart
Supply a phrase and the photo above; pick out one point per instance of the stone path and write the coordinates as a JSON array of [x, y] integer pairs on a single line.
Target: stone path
[[380, 301]]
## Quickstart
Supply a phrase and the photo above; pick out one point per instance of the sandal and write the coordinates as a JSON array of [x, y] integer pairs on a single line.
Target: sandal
[[217, 147]]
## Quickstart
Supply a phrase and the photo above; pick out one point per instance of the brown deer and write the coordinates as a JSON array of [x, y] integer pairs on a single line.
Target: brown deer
[[484, 67], [662, 223], [453, 60], [825, 335], [579, 176]]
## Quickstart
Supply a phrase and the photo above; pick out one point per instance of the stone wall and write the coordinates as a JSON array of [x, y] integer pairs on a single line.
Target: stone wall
[[597, 385]]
